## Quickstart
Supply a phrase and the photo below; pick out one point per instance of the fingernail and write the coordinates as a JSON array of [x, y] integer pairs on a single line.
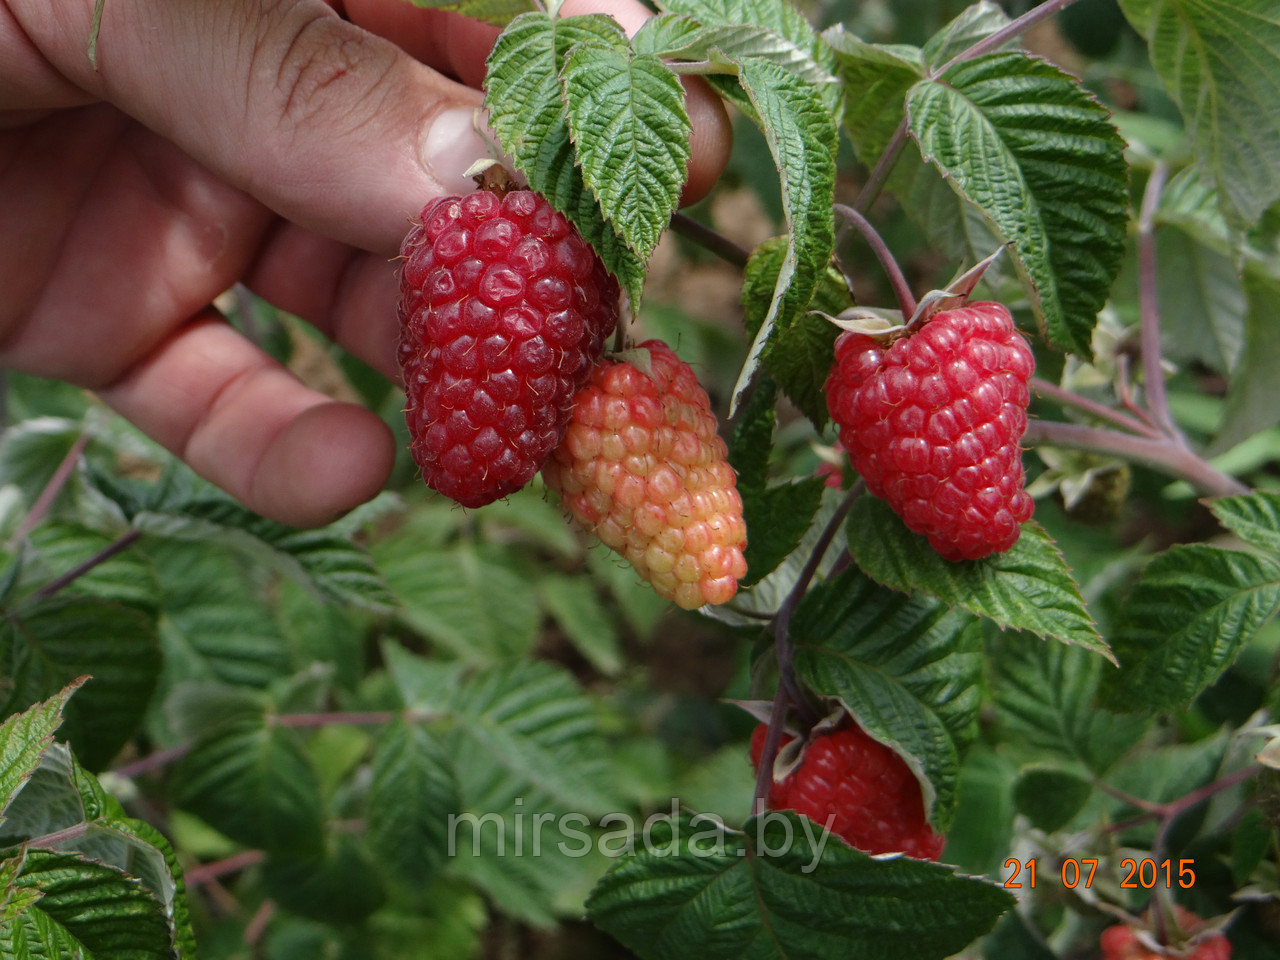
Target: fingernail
[[450, 145]]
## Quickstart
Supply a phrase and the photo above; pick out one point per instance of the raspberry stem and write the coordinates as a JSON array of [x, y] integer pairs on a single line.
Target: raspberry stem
[[1148, 306], [790, 691], [901, 290]]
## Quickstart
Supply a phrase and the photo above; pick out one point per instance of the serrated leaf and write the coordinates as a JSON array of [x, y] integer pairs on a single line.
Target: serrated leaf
[[907, 667], [775, 891], [1049, 797], [1028, 145], [497, 12], [89, 909], [777, 517], [801, 135], [800, 356], [1044, 695], [213, 626], [1220, 62], [59, 547], [576, 605], [628, 123], [251, 781], [682, 38], [1028, 587], [1254, 517], [776, 16], [24, 738], [447, 596], [48, 642], [1192, 610], [974, 23], [411, 794], [876, 78], [526, 112]]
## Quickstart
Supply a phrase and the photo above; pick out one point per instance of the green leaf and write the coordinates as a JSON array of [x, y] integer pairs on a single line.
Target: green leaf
[[1028, 587], [47, 643], [87, 909], [340, 886], [181, 506], [1193, 609], [777, 517], [1049, 796], [907, 667], [447, 596], [776, 891], [750, 18], [1044, 695], [526, 112], [1024, 142], [1220, 62], [876, 78], [628, 123], [24, 738], [576, 605], [213, 625], [1251, 395], [411, 794], [497, 12], [252, 781], [1254, 517], [800, 355], [680, 37], [801, 134], [974, 23], [59, 547]]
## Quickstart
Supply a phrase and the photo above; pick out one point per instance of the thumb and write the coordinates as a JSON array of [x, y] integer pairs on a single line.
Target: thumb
[[330, 126]]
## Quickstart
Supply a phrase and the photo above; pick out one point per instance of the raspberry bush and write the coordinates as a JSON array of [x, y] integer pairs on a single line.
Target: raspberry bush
[[923, 478]]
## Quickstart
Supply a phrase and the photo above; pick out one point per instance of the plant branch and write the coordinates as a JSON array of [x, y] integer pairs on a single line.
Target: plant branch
[[1149, 308], [705, 236], [371, 718], [1006, 33], [1165, 455], [152, 761], [1064, 397], [205, 872], [884, 166], [118, 545], [901, 290], [789, 689], [51, 490]]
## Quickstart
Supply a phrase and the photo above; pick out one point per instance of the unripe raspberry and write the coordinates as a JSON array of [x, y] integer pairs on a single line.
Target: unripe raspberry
[[869, 794], [933, 423], [503, 310], [644, 468]]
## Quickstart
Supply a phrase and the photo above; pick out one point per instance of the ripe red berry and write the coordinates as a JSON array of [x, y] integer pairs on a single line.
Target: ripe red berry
[[643, 467], [869, 793], [1120, 942], [503, 310], [933, 423]]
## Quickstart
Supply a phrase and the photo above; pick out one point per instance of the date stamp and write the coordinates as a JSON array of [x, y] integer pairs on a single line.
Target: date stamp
[[1144, 873]]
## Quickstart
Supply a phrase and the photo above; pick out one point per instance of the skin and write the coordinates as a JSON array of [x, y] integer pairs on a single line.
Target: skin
[[280, 143]]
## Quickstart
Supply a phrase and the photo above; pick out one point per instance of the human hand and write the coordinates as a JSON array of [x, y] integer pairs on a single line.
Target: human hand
[[284, 145]]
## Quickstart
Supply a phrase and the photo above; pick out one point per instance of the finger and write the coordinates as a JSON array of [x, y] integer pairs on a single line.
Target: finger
[[328, 125], [242, 421], [461, 46]]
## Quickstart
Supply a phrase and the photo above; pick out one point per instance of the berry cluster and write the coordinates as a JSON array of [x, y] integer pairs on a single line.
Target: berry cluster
[[1121, 942], [503, 310], [644, 468], [867, 791], [933, 423]]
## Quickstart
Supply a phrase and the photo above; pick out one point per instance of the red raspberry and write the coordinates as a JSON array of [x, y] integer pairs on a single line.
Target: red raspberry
[[870, 793], [1121, 942], [643, 467], [503, 310], [933, 424]]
